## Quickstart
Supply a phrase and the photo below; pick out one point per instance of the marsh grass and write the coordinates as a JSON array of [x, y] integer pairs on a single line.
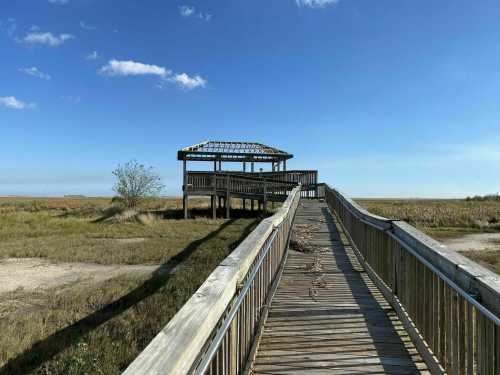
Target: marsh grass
[[89, 328], [442, 219], [444, 214], [71, 230], [487, 258]]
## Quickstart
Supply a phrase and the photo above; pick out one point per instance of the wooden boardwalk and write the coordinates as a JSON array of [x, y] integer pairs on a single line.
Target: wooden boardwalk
[[326, 316]]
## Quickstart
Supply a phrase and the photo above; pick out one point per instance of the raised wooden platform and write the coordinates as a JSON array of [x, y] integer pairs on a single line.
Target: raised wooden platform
[[327, 317]]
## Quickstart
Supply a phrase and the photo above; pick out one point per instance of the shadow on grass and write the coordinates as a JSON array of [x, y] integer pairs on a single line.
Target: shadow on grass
[[44, 350]]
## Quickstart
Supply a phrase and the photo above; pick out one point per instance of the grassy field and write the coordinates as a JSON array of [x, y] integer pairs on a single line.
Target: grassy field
[[98, 328], [444, 219]]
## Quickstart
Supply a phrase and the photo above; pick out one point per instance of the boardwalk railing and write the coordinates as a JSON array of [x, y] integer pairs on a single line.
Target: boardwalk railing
[[215, 330], [449, 304], [252, 183], [214, 183]]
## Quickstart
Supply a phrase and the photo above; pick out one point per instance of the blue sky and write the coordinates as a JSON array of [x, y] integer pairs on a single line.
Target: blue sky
[[385, 98]]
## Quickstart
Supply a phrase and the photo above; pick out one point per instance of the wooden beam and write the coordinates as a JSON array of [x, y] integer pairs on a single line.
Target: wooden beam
[[228, 197], [184, 188]]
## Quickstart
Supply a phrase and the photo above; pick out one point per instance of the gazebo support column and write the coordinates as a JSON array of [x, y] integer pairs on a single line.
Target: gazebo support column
[[228, 199], [252, 170], [184, 189], [214, 206]]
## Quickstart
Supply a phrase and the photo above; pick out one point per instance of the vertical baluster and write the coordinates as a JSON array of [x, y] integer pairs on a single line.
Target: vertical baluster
[[442, 323], [470, 338], [449, 330]]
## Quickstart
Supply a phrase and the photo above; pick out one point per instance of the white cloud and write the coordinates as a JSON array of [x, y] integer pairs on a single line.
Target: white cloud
[[132, 68], [61, 2], [47, 38], [190, 11], [187, 82], [186, 11], [315, 3], [86, 26], [92, 56], [35, 72], [13, 103]]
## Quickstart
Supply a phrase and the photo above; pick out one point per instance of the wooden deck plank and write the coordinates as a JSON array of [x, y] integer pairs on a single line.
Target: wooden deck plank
[[327, 316]]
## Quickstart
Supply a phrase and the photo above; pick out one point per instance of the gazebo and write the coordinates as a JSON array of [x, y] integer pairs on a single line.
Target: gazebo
[[245, 183]]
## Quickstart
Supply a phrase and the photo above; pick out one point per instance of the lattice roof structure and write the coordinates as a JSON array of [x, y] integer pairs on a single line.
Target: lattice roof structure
[[233, 151]]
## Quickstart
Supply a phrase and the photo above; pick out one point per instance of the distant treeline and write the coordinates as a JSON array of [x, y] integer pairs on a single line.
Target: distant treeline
[[481, 198]]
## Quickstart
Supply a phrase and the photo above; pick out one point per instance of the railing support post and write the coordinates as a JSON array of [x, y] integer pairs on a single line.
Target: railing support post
[[214, 197], [228, 197], [233, 348], [184, 188], [264, 203]]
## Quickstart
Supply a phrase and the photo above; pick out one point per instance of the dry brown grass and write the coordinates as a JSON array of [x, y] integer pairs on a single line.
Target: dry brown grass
[[441, 218], [99, 329]]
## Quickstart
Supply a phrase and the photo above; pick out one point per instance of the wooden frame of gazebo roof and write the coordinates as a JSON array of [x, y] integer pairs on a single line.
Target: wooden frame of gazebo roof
[[230, 151]]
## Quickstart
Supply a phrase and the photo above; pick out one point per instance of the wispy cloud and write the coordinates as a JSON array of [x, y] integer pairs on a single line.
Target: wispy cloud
[[186, 11], [132, 68], [92, 56], [187, 82], [190, 11], [8, 26], [47, 38], [86, 26], [35, 72], [315, 3], [13, 103], [60, 2]]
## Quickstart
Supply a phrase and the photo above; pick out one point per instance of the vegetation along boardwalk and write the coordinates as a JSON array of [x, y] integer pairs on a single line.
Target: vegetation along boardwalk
[[327, 316]]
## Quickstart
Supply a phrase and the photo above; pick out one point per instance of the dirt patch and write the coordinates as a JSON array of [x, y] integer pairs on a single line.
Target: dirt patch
[[35, 273], [474, 242]]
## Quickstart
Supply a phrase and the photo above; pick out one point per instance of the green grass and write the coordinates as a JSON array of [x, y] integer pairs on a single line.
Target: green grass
[[100, 328], [63, 231]]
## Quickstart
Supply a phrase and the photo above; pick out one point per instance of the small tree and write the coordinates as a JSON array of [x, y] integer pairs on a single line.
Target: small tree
[[134, 182]]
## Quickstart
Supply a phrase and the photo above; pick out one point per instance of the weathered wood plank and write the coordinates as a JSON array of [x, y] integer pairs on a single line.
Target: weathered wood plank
[[327, 316]]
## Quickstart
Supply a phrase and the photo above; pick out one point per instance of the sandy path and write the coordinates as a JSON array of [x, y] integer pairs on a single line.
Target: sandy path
[[33, 273], [474, 242]]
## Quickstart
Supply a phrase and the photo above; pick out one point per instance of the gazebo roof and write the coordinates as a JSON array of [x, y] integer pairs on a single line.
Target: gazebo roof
[[232, 151]]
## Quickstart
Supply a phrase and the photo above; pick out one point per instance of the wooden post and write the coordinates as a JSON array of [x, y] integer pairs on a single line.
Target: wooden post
[[228, 198], [244, 166], [252, 170], [184, 188], [316, 193], [220, 165], [215, 166], [214, 197], [264, 203]]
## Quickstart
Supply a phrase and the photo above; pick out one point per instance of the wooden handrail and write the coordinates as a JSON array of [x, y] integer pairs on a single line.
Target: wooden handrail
[[449, 304], [186, 339]]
